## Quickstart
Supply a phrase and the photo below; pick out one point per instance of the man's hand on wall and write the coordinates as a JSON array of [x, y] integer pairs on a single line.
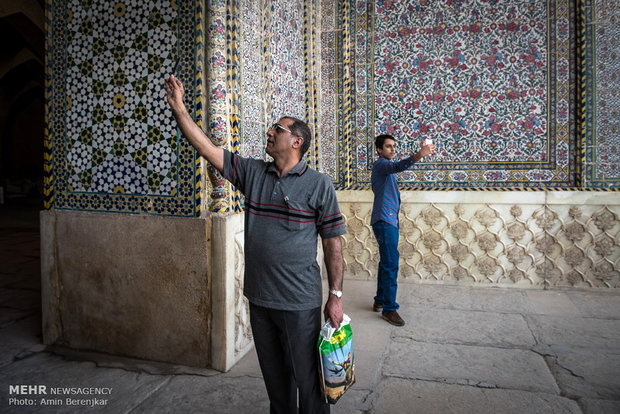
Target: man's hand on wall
[[175, 93]]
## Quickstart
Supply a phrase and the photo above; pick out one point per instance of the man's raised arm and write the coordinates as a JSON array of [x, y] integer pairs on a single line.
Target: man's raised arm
[[174, 95]]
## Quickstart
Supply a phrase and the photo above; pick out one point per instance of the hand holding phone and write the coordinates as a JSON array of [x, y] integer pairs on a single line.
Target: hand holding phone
[[426, 149]]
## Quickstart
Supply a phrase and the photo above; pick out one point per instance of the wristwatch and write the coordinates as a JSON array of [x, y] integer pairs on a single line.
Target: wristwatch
[[337, 293]]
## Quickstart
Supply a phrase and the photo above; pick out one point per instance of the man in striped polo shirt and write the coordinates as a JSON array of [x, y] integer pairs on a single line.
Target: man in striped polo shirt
[[287, 206]]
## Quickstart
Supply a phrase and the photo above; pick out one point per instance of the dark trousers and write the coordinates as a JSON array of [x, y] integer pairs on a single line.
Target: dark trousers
[[286, 344]]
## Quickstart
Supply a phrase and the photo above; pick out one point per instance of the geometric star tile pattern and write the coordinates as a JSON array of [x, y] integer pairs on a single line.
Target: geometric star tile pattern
[[113, 132], [116, 50]]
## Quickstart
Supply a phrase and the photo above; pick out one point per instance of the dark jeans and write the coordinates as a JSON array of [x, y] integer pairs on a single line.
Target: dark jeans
[[387, 275], [286, 344]]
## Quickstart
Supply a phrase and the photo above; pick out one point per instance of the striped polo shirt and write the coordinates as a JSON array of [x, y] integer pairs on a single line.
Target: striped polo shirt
[[283, 217]]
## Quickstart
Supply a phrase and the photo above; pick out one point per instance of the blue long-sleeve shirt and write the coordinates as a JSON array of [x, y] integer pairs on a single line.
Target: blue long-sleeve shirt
[[385, 187]]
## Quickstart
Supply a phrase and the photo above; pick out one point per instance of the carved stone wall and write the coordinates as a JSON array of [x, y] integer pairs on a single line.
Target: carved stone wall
[[525, 239], [243, 331], [230, 317]]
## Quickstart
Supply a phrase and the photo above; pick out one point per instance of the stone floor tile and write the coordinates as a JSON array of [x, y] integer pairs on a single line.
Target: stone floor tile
[[573, 331], [367, 369], [590, 406], [498, 300], [469, 365], [551, 303], [422, 397], [128, 388], [425, 324], [247, 365], [588, 374], [19, 338], [354, 401], [602, 305], [195, 394]]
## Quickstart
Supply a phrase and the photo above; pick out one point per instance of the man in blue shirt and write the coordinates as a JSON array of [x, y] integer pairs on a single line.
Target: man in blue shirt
[[384, 221]]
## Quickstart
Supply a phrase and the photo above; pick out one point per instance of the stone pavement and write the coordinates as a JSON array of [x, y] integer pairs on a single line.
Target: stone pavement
[[463, 350]]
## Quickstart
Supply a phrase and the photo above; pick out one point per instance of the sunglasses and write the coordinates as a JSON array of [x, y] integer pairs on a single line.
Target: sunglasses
[[277, 125]]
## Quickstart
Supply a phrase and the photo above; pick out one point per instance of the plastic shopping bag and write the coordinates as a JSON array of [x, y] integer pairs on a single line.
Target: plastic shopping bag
[[337, 366]]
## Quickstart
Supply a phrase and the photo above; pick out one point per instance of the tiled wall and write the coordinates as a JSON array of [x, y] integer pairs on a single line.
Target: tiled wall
[[262, 67], [516, 95], [111, 142], [493, 83], [601, 60]]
